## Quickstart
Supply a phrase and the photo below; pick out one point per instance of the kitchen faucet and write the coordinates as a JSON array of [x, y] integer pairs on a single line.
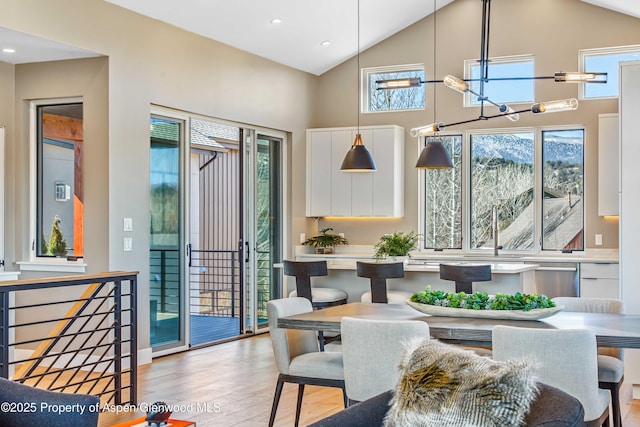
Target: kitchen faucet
[[494, 229]]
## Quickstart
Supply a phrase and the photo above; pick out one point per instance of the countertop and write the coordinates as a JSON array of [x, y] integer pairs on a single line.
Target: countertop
[[365, 253]]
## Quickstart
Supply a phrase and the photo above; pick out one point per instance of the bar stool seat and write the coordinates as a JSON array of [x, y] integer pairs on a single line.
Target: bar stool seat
[[323, 296], [378, 273], [303, 271]]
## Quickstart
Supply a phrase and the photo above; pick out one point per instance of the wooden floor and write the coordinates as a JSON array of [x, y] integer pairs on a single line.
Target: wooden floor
[[232, 384]]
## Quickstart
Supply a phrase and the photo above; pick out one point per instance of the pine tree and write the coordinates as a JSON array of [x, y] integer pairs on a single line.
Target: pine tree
[[57, 244]]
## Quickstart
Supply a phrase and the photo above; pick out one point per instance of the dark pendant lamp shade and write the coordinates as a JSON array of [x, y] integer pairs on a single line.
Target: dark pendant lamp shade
[[434, 156], [358, 158]]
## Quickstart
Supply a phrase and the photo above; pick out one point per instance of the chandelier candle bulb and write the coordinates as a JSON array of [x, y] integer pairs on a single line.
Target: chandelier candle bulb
[[577, 77], [555, 106], [426, 130], [455, 83], [399, 83], [509, 113]]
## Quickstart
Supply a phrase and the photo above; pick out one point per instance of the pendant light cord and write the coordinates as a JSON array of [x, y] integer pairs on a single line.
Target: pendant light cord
[[358, 70], [435, 46]]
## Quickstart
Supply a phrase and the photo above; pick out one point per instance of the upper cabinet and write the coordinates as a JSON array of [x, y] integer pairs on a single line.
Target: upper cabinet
[[608, 164], [332, 192]]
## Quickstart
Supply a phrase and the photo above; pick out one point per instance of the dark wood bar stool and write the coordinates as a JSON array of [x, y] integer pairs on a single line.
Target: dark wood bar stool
[[378, 273], [320, 298], [465, 275], [303, 271]]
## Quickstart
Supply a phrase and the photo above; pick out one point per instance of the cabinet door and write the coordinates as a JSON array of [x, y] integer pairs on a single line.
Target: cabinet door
[[318, 178], [362, 182], [388, 192], [341, 182], [599, 288], [608, 165]]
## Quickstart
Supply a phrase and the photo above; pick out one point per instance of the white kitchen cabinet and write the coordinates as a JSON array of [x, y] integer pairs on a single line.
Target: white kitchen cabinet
[[629, 110], [332, 192], [599, 280], [608, 165]]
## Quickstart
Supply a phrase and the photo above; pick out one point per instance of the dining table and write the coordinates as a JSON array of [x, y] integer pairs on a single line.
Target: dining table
[[611, 330]]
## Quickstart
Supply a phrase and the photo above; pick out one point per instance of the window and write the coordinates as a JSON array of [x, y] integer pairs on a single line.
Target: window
[[532, 180], [502, 91], [59, 187], [562, 183], [392, 99], [605, 60], [502, 179], [442, 199]]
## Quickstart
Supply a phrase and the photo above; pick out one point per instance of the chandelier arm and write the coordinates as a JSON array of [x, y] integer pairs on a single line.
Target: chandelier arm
[[528, 110]]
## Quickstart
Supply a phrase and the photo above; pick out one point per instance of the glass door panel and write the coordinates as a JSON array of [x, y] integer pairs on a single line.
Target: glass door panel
[[268, 219], [165, 257]]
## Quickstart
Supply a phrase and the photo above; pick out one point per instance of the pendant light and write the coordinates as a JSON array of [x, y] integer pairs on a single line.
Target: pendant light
[[434, 154], [358, 158]]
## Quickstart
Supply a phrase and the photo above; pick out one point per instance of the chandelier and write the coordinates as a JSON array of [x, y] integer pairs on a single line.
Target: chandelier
[[463, 86]]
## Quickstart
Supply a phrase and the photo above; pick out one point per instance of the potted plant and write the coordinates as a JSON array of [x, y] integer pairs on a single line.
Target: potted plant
[[397, 244], [325, 242]]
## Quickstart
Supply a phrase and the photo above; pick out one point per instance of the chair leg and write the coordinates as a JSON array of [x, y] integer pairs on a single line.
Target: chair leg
[[299, 403], [276, 400], [344, 396], [615, 405], [321, 340], [614, 390]]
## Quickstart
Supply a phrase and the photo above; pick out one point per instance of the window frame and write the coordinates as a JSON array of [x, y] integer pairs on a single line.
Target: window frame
[[40, 263], [509, 59], [365, 93], [537, 132], [601, 51]]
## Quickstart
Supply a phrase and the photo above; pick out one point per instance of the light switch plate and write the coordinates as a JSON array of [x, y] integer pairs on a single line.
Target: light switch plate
[[598, 239], [128, 244], [128, 224]]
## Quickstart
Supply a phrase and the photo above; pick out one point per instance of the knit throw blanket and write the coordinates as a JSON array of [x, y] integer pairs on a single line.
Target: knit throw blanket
[[445, 385]]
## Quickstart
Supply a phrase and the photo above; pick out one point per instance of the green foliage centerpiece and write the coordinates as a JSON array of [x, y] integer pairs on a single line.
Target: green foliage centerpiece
[[482, 300], [325, 241]]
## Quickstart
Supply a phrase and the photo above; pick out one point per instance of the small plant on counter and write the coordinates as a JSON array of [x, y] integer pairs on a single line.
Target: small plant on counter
[[325, 242], [483, 301], [397, 244]]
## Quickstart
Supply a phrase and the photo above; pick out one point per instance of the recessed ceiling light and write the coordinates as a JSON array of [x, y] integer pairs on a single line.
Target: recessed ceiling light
[[8, 50], [276, 21], [325, 43]]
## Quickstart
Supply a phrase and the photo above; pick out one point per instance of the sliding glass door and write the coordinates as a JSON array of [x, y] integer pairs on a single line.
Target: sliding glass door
[[264, 202], [166, 302]]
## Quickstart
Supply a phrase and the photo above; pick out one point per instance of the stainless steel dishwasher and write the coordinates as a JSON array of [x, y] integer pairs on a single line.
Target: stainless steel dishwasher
[[557, 279]]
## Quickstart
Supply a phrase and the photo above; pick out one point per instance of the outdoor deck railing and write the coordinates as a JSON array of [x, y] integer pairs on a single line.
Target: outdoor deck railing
[[75, 334]]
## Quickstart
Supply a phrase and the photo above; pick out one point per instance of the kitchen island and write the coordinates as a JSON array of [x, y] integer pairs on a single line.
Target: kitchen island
[[506, 277]]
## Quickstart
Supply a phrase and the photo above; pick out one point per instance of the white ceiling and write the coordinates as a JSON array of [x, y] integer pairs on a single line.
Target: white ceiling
[[246, 25]]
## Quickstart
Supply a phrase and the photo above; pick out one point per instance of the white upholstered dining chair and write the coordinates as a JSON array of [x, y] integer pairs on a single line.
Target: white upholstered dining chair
[[610, 360], [566, 359], [372, 350], [297, 355]]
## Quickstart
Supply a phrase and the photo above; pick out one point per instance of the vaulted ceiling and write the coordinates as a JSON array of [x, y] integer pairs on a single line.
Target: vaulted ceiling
[[297, 41]]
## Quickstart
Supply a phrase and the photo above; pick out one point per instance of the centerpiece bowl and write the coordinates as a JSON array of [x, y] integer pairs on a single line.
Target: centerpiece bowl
[[533, 314]]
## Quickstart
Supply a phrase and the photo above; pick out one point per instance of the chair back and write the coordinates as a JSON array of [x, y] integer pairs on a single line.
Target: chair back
[[371, 352], [378, 273], [594, 305], [303, 271], [85, 410], [465, 275], [289, 343], [566, 359]]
